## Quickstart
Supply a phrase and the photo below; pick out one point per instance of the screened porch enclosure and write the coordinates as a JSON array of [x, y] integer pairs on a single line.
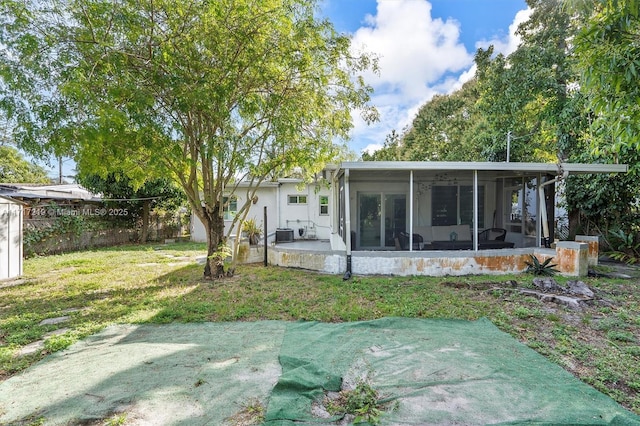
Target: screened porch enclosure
[[441, 210]]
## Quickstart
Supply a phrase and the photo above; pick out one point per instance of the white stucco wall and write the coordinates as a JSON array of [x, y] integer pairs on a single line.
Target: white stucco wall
[[10, 238], [280, 213]]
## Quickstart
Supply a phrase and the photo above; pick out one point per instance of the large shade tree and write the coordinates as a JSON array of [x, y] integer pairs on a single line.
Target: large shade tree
[[529, 92], [14, 168], [204, 92], [445, 128], [608, 52]]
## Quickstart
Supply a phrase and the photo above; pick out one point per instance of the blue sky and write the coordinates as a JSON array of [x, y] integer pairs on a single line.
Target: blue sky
[[425, 47]]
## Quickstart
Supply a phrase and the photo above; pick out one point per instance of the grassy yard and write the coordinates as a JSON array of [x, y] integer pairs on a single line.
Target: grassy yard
[[163, 283]]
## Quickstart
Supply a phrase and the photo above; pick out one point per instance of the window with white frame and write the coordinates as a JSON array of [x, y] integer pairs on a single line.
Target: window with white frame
[[324, 205], [453, 205], [230, 207], [297, 199]]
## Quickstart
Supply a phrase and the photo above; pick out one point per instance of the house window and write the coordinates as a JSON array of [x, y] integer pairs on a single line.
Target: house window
[[324, 205], [453, 205], [230, 207], [297, 199]]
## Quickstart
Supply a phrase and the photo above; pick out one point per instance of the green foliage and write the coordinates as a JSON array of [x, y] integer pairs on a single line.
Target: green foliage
[[389, 150], [59, 342], [61, 225], [609, 57], [116, 420], [527, 92], [166, 98], [545, 268], [220, 255], [128, 194], [122, 192], [445, 128], [15, 169], [252, 230], [606, 201], [625, 247], [362, 402], [253, 413]]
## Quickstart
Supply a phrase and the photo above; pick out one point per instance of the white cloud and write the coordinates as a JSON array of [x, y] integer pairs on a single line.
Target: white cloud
[[372, 147], [512, 41], [419, 56], [414, 49]]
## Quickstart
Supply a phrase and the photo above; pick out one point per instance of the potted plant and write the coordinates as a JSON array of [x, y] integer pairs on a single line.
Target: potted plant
[[251, 229]]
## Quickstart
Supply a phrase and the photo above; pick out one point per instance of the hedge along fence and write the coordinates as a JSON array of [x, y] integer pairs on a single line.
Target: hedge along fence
[[73, 233], [67, 242], [69, 233]]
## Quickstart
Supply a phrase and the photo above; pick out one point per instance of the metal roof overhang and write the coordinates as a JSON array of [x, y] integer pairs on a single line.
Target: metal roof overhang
[[498, 168]]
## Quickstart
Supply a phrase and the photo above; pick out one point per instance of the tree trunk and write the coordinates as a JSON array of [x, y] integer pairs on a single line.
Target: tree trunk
[[574, 223], [216, 255]]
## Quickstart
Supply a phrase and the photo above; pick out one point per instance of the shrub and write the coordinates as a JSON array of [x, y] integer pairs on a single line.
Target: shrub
[[545, 268]]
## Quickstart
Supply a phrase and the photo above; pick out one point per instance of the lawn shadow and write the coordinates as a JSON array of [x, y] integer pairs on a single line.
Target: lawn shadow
[[179, 374]]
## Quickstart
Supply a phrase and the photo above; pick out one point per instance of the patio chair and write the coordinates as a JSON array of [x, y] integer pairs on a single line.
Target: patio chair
[[403, 239], [492, 234], [493, 238]]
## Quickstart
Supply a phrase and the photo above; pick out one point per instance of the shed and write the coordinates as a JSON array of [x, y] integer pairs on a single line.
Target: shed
[[11, 216]]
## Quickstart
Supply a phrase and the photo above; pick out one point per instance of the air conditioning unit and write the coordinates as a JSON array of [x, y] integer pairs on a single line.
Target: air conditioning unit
[[284, 235]]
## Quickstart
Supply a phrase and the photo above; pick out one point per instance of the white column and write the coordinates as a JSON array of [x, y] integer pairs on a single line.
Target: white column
[[475, 210], [411, 211]]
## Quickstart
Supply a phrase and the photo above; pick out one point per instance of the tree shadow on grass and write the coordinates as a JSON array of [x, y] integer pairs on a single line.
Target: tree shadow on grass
[[179, 374], [171, 374]]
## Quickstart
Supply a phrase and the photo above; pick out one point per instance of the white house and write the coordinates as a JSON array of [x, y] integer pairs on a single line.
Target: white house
[[11, 217], [295, 211], [423, 218]]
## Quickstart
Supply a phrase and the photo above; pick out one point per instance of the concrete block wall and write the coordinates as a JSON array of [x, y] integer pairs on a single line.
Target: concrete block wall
[[327, 262], [593, 249], [570, 257]]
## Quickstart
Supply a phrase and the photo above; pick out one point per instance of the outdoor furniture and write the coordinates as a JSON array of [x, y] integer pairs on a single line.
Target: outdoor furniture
[[492, 234], [452, 245], [403, 240], [491, 238]]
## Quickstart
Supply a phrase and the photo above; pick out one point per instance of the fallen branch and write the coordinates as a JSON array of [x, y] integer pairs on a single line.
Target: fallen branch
[[571, 302]]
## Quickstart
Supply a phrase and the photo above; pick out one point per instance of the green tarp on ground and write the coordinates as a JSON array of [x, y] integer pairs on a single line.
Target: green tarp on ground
[[440, 372], [434, 371]]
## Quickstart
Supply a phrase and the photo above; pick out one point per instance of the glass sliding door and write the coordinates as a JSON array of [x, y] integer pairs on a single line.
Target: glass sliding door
[[369, 223], [381, 217], [395, 217]]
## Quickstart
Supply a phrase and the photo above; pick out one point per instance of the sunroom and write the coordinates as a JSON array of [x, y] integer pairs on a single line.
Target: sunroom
[[434, 208]]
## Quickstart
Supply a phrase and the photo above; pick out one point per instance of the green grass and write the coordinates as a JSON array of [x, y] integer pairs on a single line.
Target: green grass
[[163, 284]]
